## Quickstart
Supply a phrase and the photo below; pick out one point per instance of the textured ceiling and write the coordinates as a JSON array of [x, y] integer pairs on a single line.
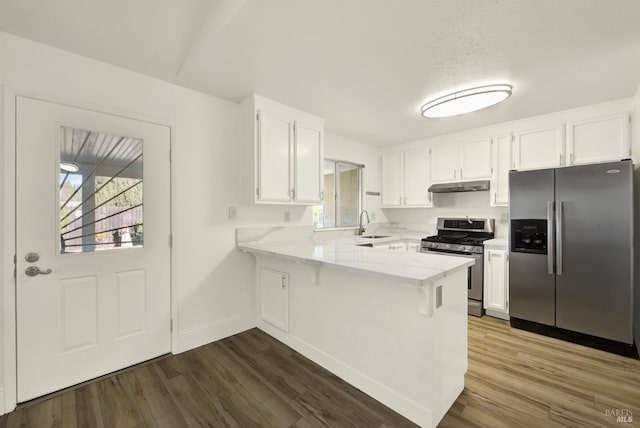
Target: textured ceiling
[[364, 65]]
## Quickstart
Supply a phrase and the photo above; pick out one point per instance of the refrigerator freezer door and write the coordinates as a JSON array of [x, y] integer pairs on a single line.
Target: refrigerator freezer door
[[531, 286], [594, 292]]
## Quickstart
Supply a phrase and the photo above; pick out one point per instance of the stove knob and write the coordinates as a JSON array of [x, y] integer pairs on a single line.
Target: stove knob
[[463, 248]]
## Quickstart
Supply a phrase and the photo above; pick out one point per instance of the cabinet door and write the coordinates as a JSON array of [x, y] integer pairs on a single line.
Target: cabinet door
[[274, 157], [416, 178], [501, 155], [274, 298], [445, 163], [598, 140], [308, 163], [392, 185], [539, 148], [413, 247], [496, 277], [475, 159]]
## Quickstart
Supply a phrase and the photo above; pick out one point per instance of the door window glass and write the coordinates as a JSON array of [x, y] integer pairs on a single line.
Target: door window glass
[[101, 191]]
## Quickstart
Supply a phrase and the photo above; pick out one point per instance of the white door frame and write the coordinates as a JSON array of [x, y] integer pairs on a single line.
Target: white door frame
[[8, 391]]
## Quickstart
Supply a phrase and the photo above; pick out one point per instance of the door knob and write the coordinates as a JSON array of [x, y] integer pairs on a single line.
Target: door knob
[[35, 271]]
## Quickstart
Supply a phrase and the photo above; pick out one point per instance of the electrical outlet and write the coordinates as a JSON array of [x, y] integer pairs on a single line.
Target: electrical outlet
[[233, 213], [504, 217], [287, 216]]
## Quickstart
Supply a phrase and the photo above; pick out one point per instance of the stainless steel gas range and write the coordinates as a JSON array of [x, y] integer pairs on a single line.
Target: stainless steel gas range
[[464, 237]]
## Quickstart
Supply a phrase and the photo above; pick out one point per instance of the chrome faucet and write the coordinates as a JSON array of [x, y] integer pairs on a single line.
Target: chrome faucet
[[360, 230]]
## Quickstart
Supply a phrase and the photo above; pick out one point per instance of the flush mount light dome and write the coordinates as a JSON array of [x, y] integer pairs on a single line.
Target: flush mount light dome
[[69, 167], [466, 101]]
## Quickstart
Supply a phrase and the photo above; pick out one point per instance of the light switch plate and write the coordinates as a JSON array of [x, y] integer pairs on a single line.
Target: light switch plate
[[233, 213]]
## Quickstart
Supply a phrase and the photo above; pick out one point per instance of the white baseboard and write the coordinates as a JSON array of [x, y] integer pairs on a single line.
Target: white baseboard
[[497, 314], [215, 331], [392, 399]]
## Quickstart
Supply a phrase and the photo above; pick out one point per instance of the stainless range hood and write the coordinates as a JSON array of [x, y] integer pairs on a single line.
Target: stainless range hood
[[465, 186]]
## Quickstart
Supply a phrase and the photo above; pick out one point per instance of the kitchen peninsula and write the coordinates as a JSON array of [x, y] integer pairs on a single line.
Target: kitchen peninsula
[[393, 324]]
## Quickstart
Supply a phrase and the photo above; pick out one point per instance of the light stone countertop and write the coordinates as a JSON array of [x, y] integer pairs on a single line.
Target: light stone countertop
[[406, 267], [500, 242]]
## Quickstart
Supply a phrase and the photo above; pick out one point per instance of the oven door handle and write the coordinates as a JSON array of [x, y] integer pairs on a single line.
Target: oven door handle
[[550, 241]]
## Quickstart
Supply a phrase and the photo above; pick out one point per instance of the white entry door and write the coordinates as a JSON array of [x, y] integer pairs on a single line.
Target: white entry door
[[92, 247]]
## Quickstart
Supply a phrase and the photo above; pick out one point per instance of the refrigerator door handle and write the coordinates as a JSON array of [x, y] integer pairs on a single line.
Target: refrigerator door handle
[[559, 209], [550, 247]]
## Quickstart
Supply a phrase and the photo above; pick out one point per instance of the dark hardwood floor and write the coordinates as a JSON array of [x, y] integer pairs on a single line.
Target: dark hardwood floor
[[515, 378]]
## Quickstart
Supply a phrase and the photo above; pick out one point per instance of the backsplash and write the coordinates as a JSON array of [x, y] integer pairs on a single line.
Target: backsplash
[[472, 204]]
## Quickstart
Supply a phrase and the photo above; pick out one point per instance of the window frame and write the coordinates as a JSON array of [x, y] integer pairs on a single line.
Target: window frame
[[336, 185]]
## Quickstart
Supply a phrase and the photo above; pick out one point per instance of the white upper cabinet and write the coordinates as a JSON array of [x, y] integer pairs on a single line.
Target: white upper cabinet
[[538, 148], [274, 157], [282, 153], [598, 140], [307, 163], [468, 160], [445, 163], [501, 161], [405, 179], [416, 178], [475, 159], [392, 179]]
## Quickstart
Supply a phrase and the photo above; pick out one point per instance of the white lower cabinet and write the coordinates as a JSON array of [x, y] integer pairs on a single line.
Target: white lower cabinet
[[274, 298], [496, 281]]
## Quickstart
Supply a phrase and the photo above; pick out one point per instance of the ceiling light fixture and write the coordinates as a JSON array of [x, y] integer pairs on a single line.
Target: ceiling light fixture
[[466, 101], [69, 166]]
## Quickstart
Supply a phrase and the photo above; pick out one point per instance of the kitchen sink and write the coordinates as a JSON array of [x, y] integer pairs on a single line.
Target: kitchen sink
[[374, 236]]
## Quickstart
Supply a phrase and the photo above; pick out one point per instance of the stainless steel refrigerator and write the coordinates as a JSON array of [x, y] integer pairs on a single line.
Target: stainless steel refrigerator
[[571, 251]]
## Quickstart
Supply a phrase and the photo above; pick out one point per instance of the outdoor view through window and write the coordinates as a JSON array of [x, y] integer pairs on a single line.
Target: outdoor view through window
[[101, 191]]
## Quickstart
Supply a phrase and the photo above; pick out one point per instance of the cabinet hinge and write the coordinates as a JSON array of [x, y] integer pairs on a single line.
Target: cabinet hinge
[[284, 282], [257, 116], [258, 192], [171, 325], [429, 151], [513, 138], [491, 170], [630, 118]]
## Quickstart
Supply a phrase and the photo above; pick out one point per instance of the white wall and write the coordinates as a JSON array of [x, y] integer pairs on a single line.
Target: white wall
[[215, 283], [472, 204]]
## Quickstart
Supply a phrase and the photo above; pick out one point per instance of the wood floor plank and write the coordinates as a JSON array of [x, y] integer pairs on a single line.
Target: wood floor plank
[[515, 378]]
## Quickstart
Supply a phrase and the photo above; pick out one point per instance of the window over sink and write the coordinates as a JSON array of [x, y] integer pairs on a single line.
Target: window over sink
[[342, 200]]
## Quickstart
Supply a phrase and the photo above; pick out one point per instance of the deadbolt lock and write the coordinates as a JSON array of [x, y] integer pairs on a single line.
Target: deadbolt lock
[[32, 257]]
